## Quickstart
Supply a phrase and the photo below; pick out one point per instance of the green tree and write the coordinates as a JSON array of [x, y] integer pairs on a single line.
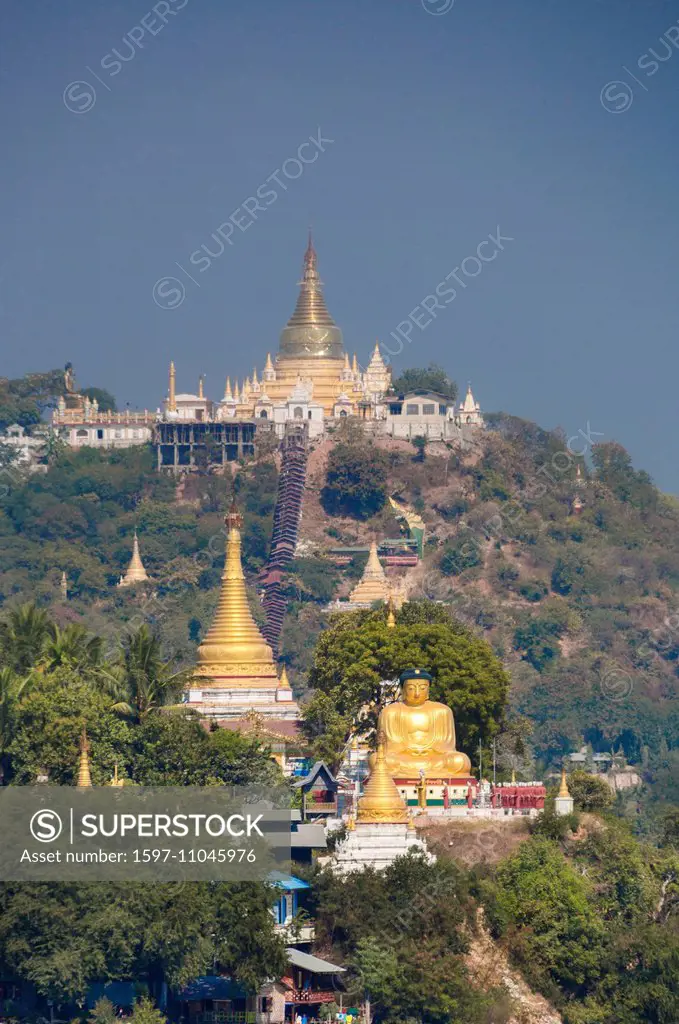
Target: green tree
[[103, 1012], [105, 399], [356, 480], [74, 648], [145, 1012], [613, 466], [431, 378], [326, 729], [460, 554], [565, 574], [61, 937], [548, 912], [24, 399], [46, 723], [589, 792], [24, 635], [175, 750], [142, 681], [402, 932], [358, 652], [12, 687], [420, 443]]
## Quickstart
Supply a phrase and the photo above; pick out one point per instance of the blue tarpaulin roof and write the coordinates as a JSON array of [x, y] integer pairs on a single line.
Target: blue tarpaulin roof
[[288, 882]]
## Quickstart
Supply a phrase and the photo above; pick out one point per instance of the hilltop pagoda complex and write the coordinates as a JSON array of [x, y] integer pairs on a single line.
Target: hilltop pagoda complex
[[236, 676], [311, 379]]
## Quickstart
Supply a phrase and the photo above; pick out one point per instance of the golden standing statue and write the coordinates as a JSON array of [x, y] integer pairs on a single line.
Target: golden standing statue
[[418, 734]]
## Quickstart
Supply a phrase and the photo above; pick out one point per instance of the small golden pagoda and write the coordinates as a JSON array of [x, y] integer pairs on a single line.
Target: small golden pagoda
[[563, 790], [84, 779], [136, 573], [234, 652], [391, 618], [381, 801], [373, 583]]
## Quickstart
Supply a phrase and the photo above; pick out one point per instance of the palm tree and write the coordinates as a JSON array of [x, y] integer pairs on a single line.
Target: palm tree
[[72, 647], [141, 681], [12, 688], [23, 638]]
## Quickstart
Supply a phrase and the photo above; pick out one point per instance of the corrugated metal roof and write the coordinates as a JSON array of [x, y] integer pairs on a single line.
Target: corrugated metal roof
[[312, 963]]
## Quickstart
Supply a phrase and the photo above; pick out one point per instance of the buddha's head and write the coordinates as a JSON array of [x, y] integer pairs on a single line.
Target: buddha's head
[[415, 686]]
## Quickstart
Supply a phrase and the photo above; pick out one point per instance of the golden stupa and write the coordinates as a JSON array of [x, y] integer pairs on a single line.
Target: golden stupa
[[136, 573], [381, 801], [563, 791], [373, 583], [310, 347], [234, 652], [84, 779], [391, 618]]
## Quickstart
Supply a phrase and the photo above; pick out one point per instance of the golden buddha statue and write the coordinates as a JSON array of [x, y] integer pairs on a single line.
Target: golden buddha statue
[[418, 734]]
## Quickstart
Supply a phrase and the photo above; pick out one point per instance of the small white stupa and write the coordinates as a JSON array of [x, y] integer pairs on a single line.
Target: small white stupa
[[563, 803]]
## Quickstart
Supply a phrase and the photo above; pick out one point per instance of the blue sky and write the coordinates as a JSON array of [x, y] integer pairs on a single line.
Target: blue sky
[[444, 128]]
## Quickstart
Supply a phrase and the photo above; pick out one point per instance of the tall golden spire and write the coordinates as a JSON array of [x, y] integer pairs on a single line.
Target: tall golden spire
[[228, 397], [373, 583], [84, 778], [563, 791], [311, 332], [381, 801], [136, 573], [63, 586], [201, 393], [354, 366], [234, 648], [172, 399], [268, 364]]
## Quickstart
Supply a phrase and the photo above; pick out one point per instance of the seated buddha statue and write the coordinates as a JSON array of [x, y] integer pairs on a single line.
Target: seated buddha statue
[[418, 734]]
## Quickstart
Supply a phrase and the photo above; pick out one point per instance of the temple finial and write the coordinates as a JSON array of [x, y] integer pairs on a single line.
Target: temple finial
[[171, 400], [311, 331], [84, 779]]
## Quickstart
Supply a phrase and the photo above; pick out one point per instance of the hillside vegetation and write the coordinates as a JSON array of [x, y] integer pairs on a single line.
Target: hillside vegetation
[[581, 609]]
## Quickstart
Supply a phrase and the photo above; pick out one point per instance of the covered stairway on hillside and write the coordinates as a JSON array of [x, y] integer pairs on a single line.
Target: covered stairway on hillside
[[286, 519]]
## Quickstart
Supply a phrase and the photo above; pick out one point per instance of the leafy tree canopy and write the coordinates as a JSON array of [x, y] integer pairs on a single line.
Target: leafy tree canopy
[[359, 652], [105, 399], [356, 480], [430, 378]]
